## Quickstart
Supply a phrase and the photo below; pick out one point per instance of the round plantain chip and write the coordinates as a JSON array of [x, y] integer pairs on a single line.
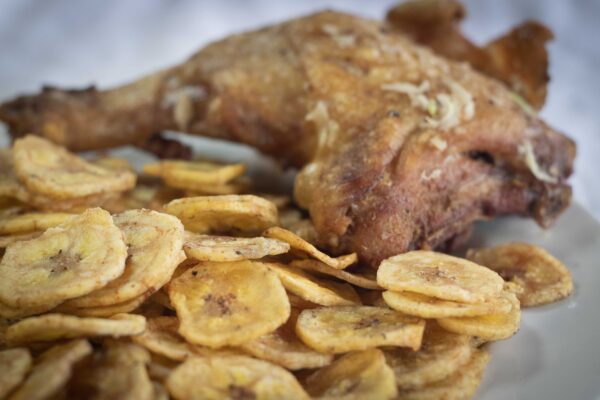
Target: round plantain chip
[[541, 277], [52, 171], [194, 175], [227, 248], [282, 347], [220, 304], [52, 371], [461, 385], [104, 311], [318, 291], [118, 371], [361, 280], [5, 241], [424, 306], [14, 364], [33, 221], [297, 243], [216, 378], [439, 275], [246, 214], [346, 328], [487, 327], [357, 375], [154, 242], [441, 354], [10, 312], [70, 260], [51, 327]]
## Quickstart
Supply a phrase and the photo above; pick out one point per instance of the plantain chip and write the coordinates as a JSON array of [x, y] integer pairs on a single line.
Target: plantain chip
[[441, 354], [282, 347], [246, 214], [357, 375], [462, 384], [33, 221], [233, 377], [299, 244], [227, 248], [346, 328], [218, 306], [424, 306], [14, 364], [70, 260], [361, 280], [318, 291], [5, 241], [194, 175], [487, 327], [117, 372], [439, 275], [52, 327], [52, 371], [541, 277], [154, 242], [104, 311]]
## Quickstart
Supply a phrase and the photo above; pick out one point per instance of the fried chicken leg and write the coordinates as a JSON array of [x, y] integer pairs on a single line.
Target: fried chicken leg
[[399, 148]]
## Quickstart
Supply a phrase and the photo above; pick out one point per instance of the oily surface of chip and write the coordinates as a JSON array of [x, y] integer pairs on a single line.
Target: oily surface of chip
[[50, 327], [354, 376], [227, 248], [154, 241], [541, 277], [441, 354], [487, 327], [221, 304], [462, 384], [52, 171], [67, 261], [297, 243], [234, 377], [14, 364], [318, 291], [346, 328], [424, 306], [52, 371], [224, 214], [439, 275]]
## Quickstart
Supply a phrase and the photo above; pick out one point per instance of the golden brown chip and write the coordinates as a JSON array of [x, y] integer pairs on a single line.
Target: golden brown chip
[[487, 327], [441, 354], [67, 261], [346, 328], [7, 311], [361, 280], [462, 384], [51, 327], [424, 306], [357, 375], [229, 213], [282, 347], [237, 186], [318, 291], [194, 175], [541, 277], [227, 248], [222, 304], [118, 372], [9, 184], [33, 221], [297, 243], [215, 378], [105, 311], [439, 275], [14, 364], [114, 163], [154, 242], [52, 171], [52, 371]]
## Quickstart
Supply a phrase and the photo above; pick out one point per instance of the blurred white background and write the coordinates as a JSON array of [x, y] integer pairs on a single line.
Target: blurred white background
[[76, 43]]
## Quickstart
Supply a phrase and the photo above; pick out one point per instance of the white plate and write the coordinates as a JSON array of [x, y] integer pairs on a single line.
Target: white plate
[[556, 354]]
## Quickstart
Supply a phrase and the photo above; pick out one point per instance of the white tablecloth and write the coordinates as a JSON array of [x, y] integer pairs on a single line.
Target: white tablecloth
[[78, 42]]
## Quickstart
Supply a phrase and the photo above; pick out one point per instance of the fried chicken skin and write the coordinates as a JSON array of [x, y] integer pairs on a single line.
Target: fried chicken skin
[[398, 148]]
